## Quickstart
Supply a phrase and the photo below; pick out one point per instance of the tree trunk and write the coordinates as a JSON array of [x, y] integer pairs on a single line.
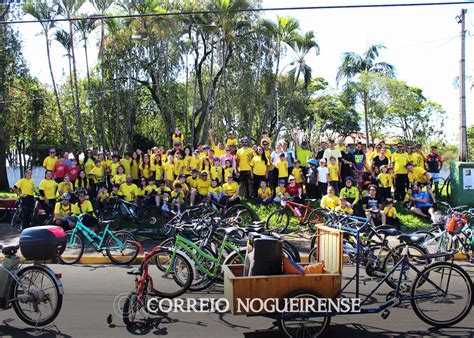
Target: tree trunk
[[366, 118], [4, 186], [79, 124]]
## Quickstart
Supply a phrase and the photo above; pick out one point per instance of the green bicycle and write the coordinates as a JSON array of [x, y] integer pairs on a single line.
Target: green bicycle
[[206, 262], [119, 245]]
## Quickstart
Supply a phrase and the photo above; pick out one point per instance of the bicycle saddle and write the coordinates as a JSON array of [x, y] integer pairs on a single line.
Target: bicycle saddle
[[388, 231], [8, 250], [229, 231], [253, 229], [412, 238], [256, 224], [106, 222]]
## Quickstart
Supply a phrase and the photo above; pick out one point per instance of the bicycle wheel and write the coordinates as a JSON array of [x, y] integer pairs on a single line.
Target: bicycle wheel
[[408, 275], [312, 256], [278, 221], [150, 216], [442, 294], [177, 277], [107, 214], [242, 213], [74, 248], [135, 307], [201, 280], [36, 297], [448, 187], [121, 247], [16, 218], [315, 218], [290, 251], [236, 257]]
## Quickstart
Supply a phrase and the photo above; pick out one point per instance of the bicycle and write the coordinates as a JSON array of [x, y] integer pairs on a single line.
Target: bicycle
[[118, 245], [7, 210], [35, 219], [279, 219], [446, 187], [146, 284], [35, 292], [123, 211]]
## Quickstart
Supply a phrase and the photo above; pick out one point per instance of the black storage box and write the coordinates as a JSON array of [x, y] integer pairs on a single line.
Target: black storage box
[[265, 258], [42, 242]]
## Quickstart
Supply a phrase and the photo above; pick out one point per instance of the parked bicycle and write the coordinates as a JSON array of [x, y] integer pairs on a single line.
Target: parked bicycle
[[118, 245], [123, 211]]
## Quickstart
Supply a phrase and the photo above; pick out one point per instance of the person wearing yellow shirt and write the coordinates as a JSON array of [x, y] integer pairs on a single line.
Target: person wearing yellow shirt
[[417, 157], [158, 168], [101, 199], [264, 194], [47, 190], [65, 187], [146, 168], [187, 161], [177, 198], [385, 182], [135, 168], [151, 188], [280, 191], [265, 138], [168, 171], [184, 186], [350, 192], [282, 167], [259, 165], [298, 172], [97, 173], [215, 190], [330, 201], [114, 165], [84, 207], [25, 189], [82, 182], [201, 187], [129, 190], [179, 164], [230, 192], [62, 212], [399, 161], [389, 214], [334, 173], [232, 141], [191, 180], [219, 150], [120, 177], [127, 163], [195, 162], [163, 194], [177, 136], [344, 207], [217, 170], [228, 170], [244, 157], [50, 161], [388, 152], [421, 177]]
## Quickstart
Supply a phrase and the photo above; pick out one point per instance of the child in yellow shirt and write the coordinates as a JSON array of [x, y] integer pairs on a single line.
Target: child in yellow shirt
[[333, 168], [177, 198], [215, 189], [389, 214], [282, 167], [298, 172], [280, 191], [264, 194], [385, 183], [344, 206]]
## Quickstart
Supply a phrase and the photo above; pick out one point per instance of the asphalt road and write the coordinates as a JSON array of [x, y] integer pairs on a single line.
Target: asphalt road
[[90, 292]]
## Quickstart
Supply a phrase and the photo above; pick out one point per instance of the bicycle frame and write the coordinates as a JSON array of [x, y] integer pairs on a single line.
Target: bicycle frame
[[96, 240], [292, 206]]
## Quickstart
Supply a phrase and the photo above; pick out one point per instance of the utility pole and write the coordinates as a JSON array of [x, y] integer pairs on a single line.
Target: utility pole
[[462, 90]]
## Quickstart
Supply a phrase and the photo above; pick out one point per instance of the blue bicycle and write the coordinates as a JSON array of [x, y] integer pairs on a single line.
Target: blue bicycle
[[119, 245]]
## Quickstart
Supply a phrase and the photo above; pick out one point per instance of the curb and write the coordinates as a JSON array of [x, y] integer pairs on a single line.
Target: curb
[[97, 260]]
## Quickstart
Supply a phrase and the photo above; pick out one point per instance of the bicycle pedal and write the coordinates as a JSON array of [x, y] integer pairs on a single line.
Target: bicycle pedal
[[385, 314]]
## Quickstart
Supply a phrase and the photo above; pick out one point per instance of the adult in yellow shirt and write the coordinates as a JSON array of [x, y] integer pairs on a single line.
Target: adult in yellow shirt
[[244, 157], [168, 169], [230, 192], [25, 189], [129, 190], [420, 176], [219, 150], [195, 162], [65, 187], [114, 165], [47, 190], [399, 161], [201, 187], [83, 206], [126, 163], [50, 161], [259, 165], [417, 157], [157, 168], [330, 201], [62, 212]]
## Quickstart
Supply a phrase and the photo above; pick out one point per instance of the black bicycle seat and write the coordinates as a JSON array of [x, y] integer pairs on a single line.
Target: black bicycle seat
[[229, 231], [8, 250], [387, 231], [412, 238]]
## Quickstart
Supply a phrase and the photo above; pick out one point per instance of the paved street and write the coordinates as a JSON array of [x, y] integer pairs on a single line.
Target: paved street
[[90, 292]]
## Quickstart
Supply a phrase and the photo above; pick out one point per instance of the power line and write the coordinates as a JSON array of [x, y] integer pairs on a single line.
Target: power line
[[270, 9]]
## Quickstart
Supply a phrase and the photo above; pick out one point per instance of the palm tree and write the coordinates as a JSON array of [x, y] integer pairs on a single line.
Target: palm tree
[[302, 45], [69, 9], [354, 64], [43, 12]]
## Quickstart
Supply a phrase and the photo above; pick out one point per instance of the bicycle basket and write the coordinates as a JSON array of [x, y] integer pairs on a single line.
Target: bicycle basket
[[455, 224]]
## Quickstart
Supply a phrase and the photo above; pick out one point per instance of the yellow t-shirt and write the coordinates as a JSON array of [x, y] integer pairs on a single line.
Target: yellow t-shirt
[[178, 167], [282, 167], [178, 138], [195, 163], [390, 212], [216, 172], [177, 195], [88, 165], [84, 208], [229, 189], [98, 173], [149, 189], [203, 186], [216, 190], [268, 139], [163, 191], [135, 170], [65, 188], [191, 181], [146, 170], [418, 160], [265, 194], [113, 168], [399, 162], [333, 172], [49, 162], [259, 166], [385, 180], [187, 160], [330, 202], [231, 142], [119, 179], [218, 152], [168, 168], [49, 188], [129, 192], [280, 191], [244, 156], [26, 187], [83, 184], [61, 209], [227, 172], [346, 210], [126, 165], [418, 175], [298, 173], [158, 170]]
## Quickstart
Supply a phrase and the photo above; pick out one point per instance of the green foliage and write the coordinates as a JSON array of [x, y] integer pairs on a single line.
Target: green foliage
[[470, 143]]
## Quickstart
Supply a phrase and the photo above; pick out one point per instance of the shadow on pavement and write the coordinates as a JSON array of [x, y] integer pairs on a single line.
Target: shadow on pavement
[[47, 332]]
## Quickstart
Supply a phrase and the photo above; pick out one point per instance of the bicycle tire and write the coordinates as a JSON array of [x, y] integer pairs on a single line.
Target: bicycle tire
[[15, 293], [75, 256], [16, 218], [419, 282], [448, 187], [201, 280], [183, 281], [315, 218], [245, 213], [126, 237], [236, 257], [279, 216], [150, 216], [291, 251], [107, 214], [312, 256]]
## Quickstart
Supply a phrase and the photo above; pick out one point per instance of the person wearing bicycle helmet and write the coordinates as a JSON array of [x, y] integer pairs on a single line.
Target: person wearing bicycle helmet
[[84, 207], [62, 212]]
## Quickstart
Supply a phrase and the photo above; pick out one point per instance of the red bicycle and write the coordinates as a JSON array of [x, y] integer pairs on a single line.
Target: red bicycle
[[155, 277], [279, 220]]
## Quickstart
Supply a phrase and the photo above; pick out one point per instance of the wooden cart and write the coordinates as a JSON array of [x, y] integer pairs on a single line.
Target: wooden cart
[[237, 288]]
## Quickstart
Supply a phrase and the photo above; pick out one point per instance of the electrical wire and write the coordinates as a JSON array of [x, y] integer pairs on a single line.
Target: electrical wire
[[270, 9]]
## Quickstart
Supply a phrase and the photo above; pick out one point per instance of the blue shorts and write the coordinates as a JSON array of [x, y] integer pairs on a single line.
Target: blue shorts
[[436, 177]]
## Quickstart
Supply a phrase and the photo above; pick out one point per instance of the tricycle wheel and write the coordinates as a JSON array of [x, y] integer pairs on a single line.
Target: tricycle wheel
[[303, 324]]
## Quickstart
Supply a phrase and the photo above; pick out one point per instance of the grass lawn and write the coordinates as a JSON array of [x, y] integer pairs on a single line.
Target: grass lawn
[[8, 196]]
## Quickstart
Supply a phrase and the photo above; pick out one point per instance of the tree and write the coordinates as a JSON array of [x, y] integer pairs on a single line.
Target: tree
[[354, 64]]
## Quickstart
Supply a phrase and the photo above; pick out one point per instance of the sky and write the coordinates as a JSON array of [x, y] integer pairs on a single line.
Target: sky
[[423, 43]]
